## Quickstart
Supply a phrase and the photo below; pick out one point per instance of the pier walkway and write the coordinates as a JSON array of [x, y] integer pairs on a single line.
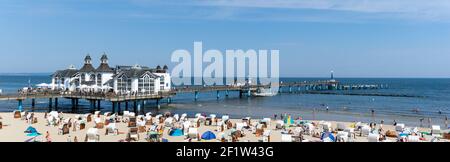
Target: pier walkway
[[139, 99]]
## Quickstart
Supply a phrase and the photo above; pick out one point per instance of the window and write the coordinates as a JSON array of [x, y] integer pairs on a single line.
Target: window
[[123, 84], [92, 77], [83, 77], [146, 85], [99, 80], [161, 83]]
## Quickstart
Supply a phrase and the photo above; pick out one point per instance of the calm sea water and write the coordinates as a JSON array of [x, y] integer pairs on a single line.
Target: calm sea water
[[430, 97]]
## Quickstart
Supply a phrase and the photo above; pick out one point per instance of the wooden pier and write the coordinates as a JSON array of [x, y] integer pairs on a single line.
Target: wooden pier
[[139, 100]]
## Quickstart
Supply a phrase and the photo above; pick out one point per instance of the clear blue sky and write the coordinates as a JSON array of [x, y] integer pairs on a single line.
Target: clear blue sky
[[355, 38]]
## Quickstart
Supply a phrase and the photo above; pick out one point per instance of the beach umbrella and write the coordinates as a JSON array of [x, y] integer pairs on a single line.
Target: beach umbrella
[[327, 136], [208, 135], [32, 132], [176, 132]]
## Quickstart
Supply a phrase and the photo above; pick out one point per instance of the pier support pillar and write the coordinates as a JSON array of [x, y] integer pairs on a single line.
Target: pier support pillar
[[169, 100], [56, 104], [196, 95], [73, 105], [240, 94], [218, 94], [19, 105], [50, 102], [98, 105], [142, 111], [113, 110], [157, 104], [33, 103], [135, 106], [126, 105], [76, 103], [119, 107], [92, 105]]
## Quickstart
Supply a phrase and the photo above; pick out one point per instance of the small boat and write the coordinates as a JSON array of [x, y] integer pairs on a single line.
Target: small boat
[[263, 93]]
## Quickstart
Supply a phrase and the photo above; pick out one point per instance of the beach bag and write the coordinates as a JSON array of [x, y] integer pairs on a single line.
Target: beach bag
[[392, 134]]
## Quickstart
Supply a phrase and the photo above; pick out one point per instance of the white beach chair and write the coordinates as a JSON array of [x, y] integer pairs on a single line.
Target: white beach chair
[[341, 126], [176, 117], [372, 137], [240, 126], [286, 138], [326, 126], [351, 132], [342, 136], [280, 124], [399, 127], [97, 113], [183, 117], [309, 128], [112, 129], [168, 122], [413, 139], [435, 130], [193, 133], [365, 130], [225, 118], [92, 135]]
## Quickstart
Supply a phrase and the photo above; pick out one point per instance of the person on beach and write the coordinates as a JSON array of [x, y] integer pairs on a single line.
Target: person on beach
[[275, 116], [446, 122], [395, 123], [47, 137], [381, 126]]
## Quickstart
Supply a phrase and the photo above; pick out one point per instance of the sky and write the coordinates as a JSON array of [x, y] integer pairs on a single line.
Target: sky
[[354, 38]]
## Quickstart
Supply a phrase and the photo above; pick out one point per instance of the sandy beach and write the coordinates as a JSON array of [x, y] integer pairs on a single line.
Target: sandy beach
[[13, 130]]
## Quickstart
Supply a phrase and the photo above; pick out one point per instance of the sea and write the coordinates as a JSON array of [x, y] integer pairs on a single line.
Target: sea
[[413, 101]]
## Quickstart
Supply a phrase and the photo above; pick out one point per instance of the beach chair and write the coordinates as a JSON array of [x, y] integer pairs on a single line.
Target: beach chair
[[183, 117], [413, 139], [92, 135], [365, 130], [225, 118], [23, 115], [193, 133], [372, 137], [436, 130], [16, 114], [97, 114], [87, 118], [132, 122], [341, 126], [309, 128], [279, 124], [326, 126], [286, 138], [112, 129], [168, 122], [399, 127], [266, 134], [98, 123], [351, 132], [133, 134], [342, 136]]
